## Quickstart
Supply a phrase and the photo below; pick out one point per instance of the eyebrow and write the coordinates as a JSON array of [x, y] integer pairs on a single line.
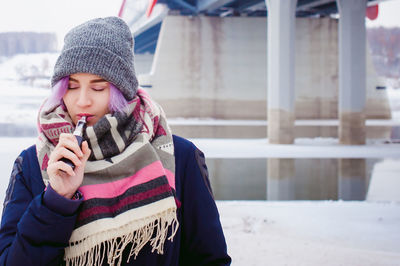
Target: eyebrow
[[92, 81]]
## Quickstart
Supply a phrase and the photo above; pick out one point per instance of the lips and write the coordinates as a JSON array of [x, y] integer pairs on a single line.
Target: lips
[[88, 116]]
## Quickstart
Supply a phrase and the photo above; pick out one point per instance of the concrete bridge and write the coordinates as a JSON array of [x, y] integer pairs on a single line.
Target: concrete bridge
[[210, 58], [256, 59], [278, 68]]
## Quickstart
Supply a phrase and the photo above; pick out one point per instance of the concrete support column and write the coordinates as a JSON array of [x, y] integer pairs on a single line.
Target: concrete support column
[[352, 71], [281, 72]]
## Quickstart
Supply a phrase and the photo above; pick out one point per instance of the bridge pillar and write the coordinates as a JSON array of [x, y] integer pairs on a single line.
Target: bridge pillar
[[352, 71], [281, 72]]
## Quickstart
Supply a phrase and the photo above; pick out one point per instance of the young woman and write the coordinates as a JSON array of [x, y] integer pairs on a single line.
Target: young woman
[[137, 195]]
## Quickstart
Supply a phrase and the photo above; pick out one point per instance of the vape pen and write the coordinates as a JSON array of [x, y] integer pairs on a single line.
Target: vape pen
[[78, 135]]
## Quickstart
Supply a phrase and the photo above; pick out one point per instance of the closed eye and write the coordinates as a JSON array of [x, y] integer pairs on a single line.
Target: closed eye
[[98, 88]]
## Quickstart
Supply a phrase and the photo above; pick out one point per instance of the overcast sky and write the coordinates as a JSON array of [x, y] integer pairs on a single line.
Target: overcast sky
[[61, 15], [52, 15]]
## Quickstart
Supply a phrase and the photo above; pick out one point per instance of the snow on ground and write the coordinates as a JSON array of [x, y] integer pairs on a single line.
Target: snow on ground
[[311, 233], [385, 181], [24, 84], [19, 103], [13, 68]]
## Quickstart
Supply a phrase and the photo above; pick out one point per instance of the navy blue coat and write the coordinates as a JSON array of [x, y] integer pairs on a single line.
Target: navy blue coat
[[36, 224]]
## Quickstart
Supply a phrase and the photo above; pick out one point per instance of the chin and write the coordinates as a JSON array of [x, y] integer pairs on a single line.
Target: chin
[[91, 122]]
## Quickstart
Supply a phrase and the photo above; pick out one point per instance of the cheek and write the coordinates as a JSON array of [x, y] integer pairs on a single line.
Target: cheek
[[105, 107], [106, 101]]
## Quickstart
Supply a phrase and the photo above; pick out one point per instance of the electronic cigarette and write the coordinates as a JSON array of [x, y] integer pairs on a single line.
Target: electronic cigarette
[[78, 133]]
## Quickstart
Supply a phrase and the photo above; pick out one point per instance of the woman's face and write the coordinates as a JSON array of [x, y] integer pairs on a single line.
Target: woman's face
[[87, 95]]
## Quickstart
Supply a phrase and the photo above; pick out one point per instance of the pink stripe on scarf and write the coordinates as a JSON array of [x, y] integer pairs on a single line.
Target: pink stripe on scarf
[[122, 203], [116, 188]]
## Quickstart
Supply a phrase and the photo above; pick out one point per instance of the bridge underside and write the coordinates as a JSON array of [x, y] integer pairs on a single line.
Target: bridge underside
[[146, 41], [204, 30]]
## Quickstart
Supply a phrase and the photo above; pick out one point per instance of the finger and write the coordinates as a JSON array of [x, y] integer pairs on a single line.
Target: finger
[[53, 171], [64, 136], [61, 166], [65, 153], [86, 151], [71, 144], [56, 155]]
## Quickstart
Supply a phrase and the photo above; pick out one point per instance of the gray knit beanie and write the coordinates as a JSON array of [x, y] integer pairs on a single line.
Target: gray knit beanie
[[104, 47]]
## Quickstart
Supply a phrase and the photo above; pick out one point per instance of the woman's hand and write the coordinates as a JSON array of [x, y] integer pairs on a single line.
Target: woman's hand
[[63, 179]]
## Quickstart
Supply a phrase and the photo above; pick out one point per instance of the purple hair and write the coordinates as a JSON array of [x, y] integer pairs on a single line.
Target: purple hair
[[117, 101], [116, 104]]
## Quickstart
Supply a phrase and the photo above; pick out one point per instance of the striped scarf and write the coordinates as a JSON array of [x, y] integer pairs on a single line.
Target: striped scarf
[[129, 181]]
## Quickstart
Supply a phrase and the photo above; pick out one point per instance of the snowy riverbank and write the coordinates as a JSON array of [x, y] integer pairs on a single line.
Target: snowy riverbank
[[312, 232]]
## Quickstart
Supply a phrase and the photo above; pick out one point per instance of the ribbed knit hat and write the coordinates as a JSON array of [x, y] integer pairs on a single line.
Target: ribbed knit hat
[[104, 47]]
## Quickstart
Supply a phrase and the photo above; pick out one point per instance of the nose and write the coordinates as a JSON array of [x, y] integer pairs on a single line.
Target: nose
[[84, 98]]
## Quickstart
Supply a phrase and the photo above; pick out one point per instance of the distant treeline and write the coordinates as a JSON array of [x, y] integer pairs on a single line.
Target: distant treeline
[[384, 44], [12, 43]]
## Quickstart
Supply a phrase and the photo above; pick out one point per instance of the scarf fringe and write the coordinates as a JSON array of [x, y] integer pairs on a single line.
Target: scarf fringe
[[90, 252]]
